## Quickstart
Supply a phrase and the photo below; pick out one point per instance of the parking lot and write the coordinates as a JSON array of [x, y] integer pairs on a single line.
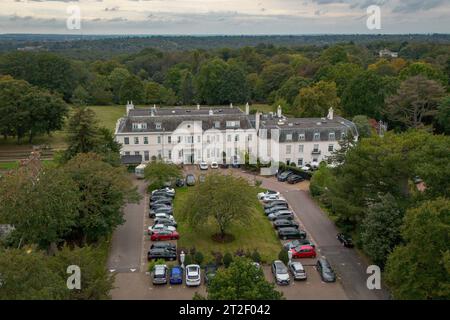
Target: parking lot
[[137, 285]]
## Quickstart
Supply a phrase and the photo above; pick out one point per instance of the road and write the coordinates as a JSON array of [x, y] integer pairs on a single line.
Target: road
[[348, 264], [126, 248]]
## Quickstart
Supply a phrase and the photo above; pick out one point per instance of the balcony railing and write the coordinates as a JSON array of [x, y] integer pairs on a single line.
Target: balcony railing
[[316, 152]]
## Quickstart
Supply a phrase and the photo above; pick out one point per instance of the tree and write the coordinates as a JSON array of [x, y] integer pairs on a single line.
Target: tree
[[365, 95], [415, 273], [104, 190], [314, 101], [442, 120], [210, 81], [273, 76], [415, 103], [99, 91], [80, 96], [28, 276], [291, 88], [116, 79], [157, 173], [341, 74], [42, 205], [223, 198], [131, 89], [362, 124], [381, 229], [187, 89], [425, 70], [334, 55], [241, 281], [96, 281], [234, 88]]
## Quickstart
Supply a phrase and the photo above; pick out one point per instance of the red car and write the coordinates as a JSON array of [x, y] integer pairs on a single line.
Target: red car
[[305, 251], [164, 235]]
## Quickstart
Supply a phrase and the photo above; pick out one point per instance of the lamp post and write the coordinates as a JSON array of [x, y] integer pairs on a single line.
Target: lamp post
[[182, 257], [290, 256]]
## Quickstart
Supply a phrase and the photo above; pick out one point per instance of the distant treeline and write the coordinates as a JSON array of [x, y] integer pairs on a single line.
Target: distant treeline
[[102, 46]]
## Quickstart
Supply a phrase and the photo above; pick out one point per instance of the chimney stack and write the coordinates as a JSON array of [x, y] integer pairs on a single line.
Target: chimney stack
[[247, 109], [129, 106], [231, 105], [257, 121], [198, 106], [279, 113]]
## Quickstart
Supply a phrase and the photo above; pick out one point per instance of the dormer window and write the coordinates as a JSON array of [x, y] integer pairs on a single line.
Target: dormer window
[[316, 136], [233, 124], [301, 136], [158, 125], [139, 125], [289, 137], [331, 136]]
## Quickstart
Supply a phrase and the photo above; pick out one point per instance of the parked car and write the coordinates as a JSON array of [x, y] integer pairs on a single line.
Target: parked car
[[284, 175], [203, 165], [176, 275], [166, 222], [326, 272], [160, 210], [160, 274], [276, 203], [157, 202], [345, 240], [210, 273], [159, 227], [166, 190], [161, 215], [280, 272], [267, 193], [299, 242], [180, 182], [283, 214], [164, 235], [224, 165], [297, 270], [190, 180], [295, 178], [283, 223], [291, 233], [160, 199], [193, 275], [275, 209], [162, 253], [303, 251], [158, 205], [270, 198], [214, 165], [307, 167], [164, 245]]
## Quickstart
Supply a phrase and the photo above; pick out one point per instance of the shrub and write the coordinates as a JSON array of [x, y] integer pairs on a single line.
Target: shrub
[[218, 257], [198, 257], [256, 257], [188, 259], [192, 251], [153, 263], [283, 256], [227, 259], [239, 253]]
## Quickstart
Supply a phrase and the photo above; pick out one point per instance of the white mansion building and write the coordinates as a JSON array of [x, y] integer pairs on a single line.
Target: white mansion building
[[191, 135]]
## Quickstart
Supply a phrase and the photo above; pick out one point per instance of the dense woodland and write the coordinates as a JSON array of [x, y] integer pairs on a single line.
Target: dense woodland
[[390, 192]]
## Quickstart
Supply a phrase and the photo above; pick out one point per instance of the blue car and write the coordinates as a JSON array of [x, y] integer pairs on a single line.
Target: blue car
[[176, 275]]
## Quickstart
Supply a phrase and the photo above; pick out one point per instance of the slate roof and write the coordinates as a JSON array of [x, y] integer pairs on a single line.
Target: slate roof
[[171, 118]]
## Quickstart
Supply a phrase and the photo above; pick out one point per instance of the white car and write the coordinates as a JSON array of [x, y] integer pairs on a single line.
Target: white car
[[193, 277], [306, 167], [203, 165], [271, 197], [268, 193], [164, 216], [158, 227], [168, 190], [315, 164], [214, 165]]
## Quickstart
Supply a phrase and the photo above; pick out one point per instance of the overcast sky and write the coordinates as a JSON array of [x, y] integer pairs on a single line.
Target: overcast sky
[[224, 17]]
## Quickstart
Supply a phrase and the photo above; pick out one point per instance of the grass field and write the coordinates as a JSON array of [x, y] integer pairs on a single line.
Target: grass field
[[257, 233]]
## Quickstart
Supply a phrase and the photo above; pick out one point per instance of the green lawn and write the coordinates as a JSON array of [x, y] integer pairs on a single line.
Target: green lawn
[[266, 108], [258, 233]]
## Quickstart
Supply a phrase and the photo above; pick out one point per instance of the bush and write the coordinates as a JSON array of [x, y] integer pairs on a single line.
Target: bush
[[218, 257], [283, 256], [256, 257], [239, 253], [153, 263], [198, 257], [188, 260], [227, 259]]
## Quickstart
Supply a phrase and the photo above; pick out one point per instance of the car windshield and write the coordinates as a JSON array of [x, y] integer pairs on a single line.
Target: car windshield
[[281, 269]]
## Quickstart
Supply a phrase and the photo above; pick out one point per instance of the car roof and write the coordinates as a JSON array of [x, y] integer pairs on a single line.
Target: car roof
[[303, 247], [297, 266]]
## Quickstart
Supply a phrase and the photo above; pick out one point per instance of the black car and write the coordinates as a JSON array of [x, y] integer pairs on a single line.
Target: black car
[[291, 233], [190, 180], [162, 253], [166, 222], [295, 178], [210, 273], [163, 245], [283, 223], [180, 182], [326, 272], [345, 240], [275, 209], [284, 175], [276, 203]]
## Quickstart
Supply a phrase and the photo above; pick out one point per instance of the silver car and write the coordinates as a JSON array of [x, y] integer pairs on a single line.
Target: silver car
[[160, 274], [297, 270], [280, 272], [193, 277]]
